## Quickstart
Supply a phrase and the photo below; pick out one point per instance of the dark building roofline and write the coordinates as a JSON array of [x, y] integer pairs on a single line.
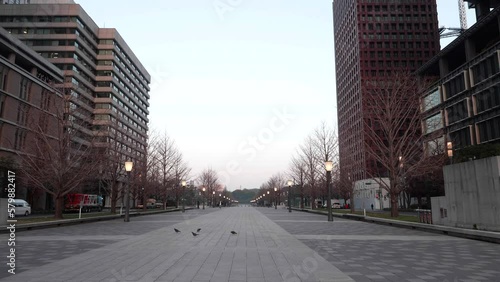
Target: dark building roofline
[[459, 40], [18, 47]]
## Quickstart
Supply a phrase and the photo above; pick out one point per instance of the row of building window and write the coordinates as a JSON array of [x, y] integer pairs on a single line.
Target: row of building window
[[401, 45], [480, 72], [400, 26], [396, 54], [485, 100], [397, 36], [129, 62], [90, 80], [122, 125], [396, 18], [396, 8], [74, 43], [120, 82], [124, 106]]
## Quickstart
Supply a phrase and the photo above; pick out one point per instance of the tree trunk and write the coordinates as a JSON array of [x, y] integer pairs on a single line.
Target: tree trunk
[[114, 196], [408, 201], [59, 201], [394, 205]]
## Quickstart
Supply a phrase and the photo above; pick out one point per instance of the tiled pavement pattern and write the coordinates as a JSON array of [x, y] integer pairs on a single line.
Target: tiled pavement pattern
[[38, 247], [372, 252], [148, 249]]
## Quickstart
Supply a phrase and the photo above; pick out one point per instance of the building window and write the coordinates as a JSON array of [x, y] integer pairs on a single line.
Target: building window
[[24, 88], [485, 69], [19, 139], [3, 77], [433, 123], [2, 103], [22, 114], [461, 138], [488, 99], [431, 100], [489, 130], [455, 86], [458, 111], [435, 147]]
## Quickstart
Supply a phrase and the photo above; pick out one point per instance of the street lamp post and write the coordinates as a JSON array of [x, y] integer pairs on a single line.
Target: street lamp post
[[128, 169], [270, 200], [203, 197], [328, 167], [290, 195], [275, 198], [183, 184]]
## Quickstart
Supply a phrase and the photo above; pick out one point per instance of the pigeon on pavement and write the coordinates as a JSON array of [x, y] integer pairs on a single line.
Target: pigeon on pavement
[[194, 234], [233, 232], [199, 229], [177, 230]]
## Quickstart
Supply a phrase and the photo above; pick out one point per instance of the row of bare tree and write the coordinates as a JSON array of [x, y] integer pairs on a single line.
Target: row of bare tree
[[65, 152], [395, 141], [307, 168]]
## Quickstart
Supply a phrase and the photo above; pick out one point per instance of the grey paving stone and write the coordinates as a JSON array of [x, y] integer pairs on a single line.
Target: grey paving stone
[[150, 250], [409, 255]]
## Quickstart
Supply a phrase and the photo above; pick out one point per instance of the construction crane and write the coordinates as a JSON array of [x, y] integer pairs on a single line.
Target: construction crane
[[455, 31]]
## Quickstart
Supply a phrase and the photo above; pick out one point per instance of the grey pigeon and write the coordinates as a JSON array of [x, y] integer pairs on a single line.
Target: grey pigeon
[[233, 232], [194, 234], [177, 230], [199, 229]]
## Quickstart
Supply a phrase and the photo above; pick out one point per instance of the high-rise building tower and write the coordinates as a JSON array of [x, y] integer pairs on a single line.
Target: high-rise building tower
[[372, 39], [107, 83]]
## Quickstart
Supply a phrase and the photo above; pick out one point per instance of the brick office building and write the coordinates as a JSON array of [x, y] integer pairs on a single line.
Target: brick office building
[[372, 39], [27, 94]]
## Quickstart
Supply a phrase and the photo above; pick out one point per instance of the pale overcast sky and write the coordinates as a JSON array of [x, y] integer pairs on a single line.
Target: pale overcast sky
[[238, 84]]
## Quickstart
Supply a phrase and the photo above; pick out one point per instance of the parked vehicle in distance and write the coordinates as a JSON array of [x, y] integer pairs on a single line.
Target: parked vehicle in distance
[[21, 207], [88, 202], [150, 204], [335, 204]]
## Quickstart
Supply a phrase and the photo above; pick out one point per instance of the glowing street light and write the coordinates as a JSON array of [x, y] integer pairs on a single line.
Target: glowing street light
[[128, 169], [329, 167]]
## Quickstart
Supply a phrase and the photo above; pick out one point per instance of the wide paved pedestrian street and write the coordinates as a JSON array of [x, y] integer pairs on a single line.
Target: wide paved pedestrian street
[[270, 245]]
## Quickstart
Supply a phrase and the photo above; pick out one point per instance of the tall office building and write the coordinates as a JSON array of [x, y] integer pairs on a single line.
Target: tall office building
[[374, 38], [106, 82]]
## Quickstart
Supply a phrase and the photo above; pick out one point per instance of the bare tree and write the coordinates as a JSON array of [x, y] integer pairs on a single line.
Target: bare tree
[[148, 169], [277, 181], [326, 145], [394, 139], [309, 156], [168, 160], [209, 179], [59, 156], [297, 172], [110, 159], [180, 171]]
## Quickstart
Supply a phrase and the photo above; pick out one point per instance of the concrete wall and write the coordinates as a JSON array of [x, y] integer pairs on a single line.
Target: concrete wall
[[472, 195]]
